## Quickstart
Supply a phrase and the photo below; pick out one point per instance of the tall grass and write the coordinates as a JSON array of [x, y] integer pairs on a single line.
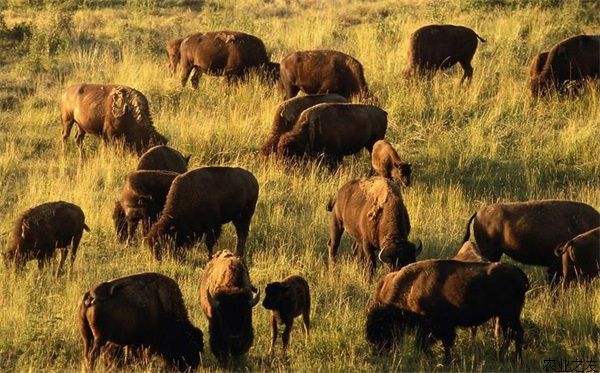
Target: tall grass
[[469, 146]]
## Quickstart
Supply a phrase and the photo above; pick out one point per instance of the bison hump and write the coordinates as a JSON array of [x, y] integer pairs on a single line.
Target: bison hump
[[377, 190]]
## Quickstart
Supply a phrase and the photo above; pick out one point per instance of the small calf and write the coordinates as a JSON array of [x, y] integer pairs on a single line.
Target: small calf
[[581, 257], [387, 163], [286, 300]]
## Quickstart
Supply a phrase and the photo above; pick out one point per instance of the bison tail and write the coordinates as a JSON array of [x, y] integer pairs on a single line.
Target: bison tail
[[480, 38], [383, 326], [468, 230], [86, 228]]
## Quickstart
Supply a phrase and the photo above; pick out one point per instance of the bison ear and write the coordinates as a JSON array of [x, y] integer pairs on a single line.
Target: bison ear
[[187, 159]]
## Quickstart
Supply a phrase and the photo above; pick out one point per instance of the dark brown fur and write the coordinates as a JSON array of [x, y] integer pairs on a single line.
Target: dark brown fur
[[387, 163], [581, 257], [164, 158]]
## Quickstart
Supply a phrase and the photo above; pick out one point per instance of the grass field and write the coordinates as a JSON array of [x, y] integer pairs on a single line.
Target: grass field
[[469, 146]]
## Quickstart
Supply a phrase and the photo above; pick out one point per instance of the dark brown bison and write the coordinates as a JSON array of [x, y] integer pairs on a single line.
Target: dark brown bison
[[141, 310], [224, 53], [143, 198], [322, 71], [333, 131], [373, 213], [112, 112], [528, 232], [163, 158], [40, 230], [227, 299], [436, 296], [581, 257], [387, 163], [573, 59], [286, 300], [439, 47], [200, 202], [287, 114], [536, 66]]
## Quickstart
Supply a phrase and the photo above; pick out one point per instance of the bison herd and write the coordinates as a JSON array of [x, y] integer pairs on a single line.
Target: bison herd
[[178, 207]]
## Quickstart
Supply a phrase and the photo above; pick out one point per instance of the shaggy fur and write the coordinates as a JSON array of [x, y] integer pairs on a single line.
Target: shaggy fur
[[162, 157], [387, 163], [581, 257], [536, 66]]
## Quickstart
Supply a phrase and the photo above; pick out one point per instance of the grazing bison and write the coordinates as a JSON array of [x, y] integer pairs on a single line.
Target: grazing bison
[[40, 230], [164, 158], [334, 130], [144, 309], [287, 114], [528, 232], [537, 65], [112, 112], [143, 198], [581, 257], [227, 53], [227, 299], [286, 300], [387, 163], [573, 59], [373, 213], [322, 71], [200, 202], [436, 296], [439, 47]]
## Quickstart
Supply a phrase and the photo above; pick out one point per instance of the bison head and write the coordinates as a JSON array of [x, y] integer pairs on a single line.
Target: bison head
[[401, 254], [290, 146], [401, 173], [275, 295], [232, 312], [182, 344]]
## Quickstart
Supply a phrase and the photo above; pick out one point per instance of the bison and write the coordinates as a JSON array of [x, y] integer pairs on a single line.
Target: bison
[[439, 47], [322, 71], [143, 198], [287, 114], [373, 213], [200, 202], [333, 130], [573, 59], [112, 112], [227, 297], [224, 53], [173, 55], [387, 163], [537, 65], [164, 158], [528, 232], [580, 257], [286, 300], [40, 230], [436, 296], [141, 310]]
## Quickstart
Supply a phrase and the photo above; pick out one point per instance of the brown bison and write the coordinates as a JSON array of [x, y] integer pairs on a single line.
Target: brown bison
[[200, 202], [436, 296], [173, 46], [227, 299], [322, 71], [581, 257], [40, 230], [573, 59], [163, 158], [387, 163], [439, 47], [143, 198], [141, 310], [224, 53], [334, 130], [112, 112], [287, 114], [286, 300], [528, 232], [537, 65], [373, 213]]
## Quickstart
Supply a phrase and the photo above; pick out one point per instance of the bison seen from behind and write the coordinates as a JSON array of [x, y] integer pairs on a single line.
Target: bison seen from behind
[[163, 158], [581, 257]]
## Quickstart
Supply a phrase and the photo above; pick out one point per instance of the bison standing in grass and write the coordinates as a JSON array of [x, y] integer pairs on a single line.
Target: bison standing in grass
[[387, 163], [581, 257], [164, 158], [439, 47]]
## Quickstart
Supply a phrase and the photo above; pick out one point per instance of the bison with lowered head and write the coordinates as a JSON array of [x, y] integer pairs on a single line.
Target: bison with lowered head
[[111, 112], [143, 198], [227, 297], [581, 257], [573, 59], [528, 232], [40, 230], [334, 130], [164, 158], [373, 213], [144, 309], [536, 66], [287, 114], [322, 71], [436, 296], [224, 53], [200, 202], [387, 163], [439, 47]]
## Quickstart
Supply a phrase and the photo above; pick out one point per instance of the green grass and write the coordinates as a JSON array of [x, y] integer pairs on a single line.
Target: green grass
[[469, 146]]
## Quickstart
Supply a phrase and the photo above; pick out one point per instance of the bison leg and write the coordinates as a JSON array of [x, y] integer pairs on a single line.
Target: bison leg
[[94, 353], [63, 257], [242, 226], [67, 125], [273, 333], [186, 69], [468, 71], [306, 320], [290, 90], [74, 247], [336, 229], [79, 141], [368, 253], [212, 235], [195, 79], [448, 336], [286, 333], [512, 330]]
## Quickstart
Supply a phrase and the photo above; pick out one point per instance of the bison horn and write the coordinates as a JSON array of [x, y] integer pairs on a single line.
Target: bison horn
[[560, 249], [379, 256], [255, 298], [419, 248], [213, 302]]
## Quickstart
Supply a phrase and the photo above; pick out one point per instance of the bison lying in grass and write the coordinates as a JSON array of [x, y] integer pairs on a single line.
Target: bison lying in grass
[[581, 257]]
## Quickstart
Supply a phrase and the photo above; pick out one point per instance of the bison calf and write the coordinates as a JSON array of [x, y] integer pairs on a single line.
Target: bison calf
[[286, 300], [387, 163], [163, 158], [581, 257]]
